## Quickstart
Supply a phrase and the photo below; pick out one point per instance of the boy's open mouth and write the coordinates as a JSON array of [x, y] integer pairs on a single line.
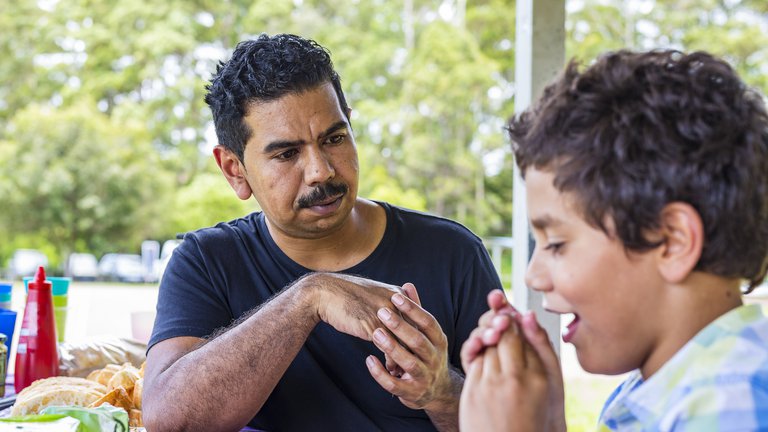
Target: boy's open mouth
[[570, 329]]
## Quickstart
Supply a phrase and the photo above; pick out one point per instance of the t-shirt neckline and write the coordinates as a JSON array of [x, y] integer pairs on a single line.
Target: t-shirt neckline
[[386, 240]]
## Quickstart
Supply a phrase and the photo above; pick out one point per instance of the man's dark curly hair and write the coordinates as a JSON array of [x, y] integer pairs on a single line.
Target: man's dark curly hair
[[263, 70], [636, 131]]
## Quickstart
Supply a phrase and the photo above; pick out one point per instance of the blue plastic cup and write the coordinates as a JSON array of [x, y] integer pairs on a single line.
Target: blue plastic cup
[[59, 285], [7, 326]]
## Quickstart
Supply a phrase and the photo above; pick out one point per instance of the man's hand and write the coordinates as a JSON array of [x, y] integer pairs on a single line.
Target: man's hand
[[416, 350], [348, 303]]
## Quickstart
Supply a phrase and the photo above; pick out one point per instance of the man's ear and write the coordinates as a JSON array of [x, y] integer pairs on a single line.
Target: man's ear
[[233, 170], [683, 235]]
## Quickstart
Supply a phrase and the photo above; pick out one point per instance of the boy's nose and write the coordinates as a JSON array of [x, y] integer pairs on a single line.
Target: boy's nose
[[536, 276]]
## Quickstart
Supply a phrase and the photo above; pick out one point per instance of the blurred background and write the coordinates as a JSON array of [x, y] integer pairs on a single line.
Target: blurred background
[[105, 141]]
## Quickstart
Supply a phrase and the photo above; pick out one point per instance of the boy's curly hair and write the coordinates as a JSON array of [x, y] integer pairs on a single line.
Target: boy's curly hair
[[636, 131], [263, 70]]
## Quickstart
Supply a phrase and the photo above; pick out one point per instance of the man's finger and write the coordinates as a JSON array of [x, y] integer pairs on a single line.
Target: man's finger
[[410, 338], [404, 359], [423, 322], [382, 376], [410, 291]]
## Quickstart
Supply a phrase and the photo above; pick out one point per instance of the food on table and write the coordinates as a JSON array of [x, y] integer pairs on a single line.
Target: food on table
[[58, 391], [118, 385]]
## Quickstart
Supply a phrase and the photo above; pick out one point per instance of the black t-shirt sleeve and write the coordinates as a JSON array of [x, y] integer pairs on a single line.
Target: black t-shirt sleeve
[[189, 303]]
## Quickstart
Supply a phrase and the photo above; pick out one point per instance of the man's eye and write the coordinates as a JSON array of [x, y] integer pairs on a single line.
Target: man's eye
[[288, 154], [335, 139]]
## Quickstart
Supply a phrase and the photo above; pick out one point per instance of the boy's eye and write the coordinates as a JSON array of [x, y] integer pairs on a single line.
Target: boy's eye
[[554, 247]]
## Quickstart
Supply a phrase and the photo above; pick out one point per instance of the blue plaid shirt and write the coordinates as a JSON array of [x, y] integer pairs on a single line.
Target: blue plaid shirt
[[718, 381]]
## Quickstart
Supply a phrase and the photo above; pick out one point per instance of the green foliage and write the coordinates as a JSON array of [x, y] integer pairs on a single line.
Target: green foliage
[[734, 30], [76, 180], [204, 202]]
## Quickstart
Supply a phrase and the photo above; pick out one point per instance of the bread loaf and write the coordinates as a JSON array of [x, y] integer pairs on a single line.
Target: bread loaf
[[57, 391]]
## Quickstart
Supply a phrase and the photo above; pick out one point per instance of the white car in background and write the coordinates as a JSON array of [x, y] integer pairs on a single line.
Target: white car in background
[[121, 268], [24, 262], [165, 255], [82, 266]]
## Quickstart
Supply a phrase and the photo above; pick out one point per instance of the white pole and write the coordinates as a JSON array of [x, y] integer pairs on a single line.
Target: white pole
[[539, 57]]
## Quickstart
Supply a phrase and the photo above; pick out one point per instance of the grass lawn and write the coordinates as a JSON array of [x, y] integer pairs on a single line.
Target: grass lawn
[[584, 398]]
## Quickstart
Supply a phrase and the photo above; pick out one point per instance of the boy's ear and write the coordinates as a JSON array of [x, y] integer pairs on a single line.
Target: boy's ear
[[233, 170], [683, 239]]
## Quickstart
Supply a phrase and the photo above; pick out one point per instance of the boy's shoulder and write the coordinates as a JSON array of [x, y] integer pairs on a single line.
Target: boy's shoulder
[[720, 375]]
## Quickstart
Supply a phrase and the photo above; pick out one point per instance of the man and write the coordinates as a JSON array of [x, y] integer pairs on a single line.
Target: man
[[299, 355]]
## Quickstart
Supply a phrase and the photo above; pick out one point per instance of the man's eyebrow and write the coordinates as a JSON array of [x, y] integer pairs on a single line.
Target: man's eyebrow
[[341, 124], [545, 222], [284, 144]]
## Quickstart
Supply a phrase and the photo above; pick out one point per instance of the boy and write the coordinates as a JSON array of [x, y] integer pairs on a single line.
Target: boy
[[647, 192]]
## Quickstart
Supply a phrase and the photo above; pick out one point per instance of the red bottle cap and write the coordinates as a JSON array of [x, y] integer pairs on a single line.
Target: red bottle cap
[[39, 281]]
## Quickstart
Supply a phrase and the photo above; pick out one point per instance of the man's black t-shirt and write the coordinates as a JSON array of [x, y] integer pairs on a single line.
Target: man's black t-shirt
[[217, 274]]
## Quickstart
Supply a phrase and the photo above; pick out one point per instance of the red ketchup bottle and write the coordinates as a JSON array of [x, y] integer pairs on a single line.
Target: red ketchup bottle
[[36, 356]]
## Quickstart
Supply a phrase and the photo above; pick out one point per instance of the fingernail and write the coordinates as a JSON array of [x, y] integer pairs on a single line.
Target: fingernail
[[384, 314], [369, 361], [488, 335], [499, 320], [379, 335], [398, 299]]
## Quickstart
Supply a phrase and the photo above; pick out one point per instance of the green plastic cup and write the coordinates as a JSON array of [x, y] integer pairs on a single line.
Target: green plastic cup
[[60, 301], [60, 314]]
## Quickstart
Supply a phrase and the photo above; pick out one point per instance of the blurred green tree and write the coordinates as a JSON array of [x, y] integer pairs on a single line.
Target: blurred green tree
[[79, 181]]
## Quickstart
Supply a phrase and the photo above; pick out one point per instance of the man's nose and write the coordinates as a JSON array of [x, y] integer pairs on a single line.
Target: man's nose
[[318, 168]]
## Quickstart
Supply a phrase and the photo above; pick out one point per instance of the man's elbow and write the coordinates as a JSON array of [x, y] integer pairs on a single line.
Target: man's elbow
[[158, 415]]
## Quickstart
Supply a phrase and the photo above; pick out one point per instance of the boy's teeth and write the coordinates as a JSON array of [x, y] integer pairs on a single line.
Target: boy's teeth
[[566, 319]]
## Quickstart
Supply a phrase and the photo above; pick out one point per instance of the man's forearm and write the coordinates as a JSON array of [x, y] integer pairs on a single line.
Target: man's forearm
[[223, 384], [445, 413]]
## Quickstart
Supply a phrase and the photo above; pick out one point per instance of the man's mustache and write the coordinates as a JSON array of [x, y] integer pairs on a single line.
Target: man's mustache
[[321, 193]]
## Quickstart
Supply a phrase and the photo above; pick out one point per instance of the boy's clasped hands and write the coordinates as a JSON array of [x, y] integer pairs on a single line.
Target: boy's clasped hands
[[513, 381]]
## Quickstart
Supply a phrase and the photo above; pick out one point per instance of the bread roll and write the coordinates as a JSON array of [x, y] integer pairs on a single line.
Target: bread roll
[[102, 376], [137, 389], [126, 377], [135, 419], [56, 391], [117, 398]]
